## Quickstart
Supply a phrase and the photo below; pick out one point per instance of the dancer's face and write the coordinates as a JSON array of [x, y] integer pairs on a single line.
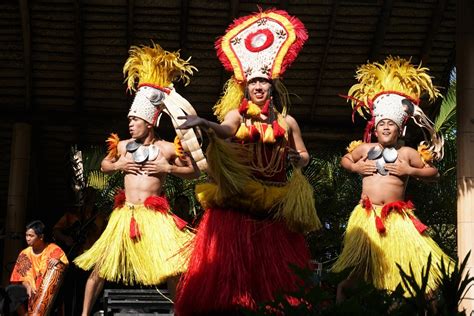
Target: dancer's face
[[387, 132], [259, 90], [138, 128]]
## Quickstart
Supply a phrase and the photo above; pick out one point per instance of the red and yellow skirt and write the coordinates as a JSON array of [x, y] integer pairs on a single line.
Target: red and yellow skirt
[[380, 237], [142, 244]]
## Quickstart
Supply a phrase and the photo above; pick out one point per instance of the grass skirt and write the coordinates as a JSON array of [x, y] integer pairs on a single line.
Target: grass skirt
[[238, 261], [373, 254], [148, 259]]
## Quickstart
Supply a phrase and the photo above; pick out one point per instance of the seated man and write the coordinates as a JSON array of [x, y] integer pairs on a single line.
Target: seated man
[[383, 230], [31, 287]]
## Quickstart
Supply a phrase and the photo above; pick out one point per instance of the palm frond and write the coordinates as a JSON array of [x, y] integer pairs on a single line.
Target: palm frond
[[447, 112]]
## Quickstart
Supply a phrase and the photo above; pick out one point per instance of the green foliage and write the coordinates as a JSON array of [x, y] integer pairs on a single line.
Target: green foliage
[[317, 295], [175, 186], [87, 173]]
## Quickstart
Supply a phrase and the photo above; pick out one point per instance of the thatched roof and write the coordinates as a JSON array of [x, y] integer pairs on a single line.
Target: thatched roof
[[61, 64]]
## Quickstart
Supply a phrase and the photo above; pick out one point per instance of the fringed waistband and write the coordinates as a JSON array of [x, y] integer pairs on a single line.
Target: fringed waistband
[[155, 203], [401, 207]]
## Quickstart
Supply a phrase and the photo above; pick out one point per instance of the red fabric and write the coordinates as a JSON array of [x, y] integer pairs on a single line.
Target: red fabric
[[134, 231], [237, 261]]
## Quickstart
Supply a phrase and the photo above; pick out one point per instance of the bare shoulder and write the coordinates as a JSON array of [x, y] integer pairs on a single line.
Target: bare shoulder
[[167, 148], [407, 151], [290, 120], [121, 147]]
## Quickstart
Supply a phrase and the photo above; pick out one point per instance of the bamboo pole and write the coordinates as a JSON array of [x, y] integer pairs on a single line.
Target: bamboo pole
[[17, 197], [465, 138]]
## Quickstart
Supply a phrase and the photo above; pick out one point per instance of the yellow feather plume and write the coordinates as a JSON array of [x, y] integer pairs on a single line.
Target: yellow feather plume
[[396, 74], [230, 99], [154, 65]]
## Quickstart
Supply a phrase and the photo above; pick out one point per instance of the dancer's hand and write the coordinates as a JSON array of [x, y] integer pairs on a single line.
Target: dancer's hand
[[157, 166], [364, 166], [294, 156], [127, 165], [399, 168], [192, 121]]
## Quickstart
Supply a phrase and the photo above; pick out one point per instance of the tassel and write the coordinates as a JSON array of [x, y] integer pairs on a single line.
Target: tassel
[[278, 131], [254, 133], [243, 132], [269, 136], [119, 199], [244, 106], [253, 109], [420, 227], [266, 107], [134, 231], [379, 224], [180, 223], [366, 203], [298, 209]]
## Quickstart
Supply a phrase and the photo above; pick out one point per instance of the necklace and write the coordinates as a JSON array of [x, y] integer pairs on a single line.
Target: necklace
[[381, 157], [142, 153]]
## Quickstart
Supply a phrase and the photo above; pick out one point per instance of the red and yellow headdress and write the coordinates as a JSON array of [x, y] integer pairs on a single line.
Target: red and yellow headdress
[[263, 44]]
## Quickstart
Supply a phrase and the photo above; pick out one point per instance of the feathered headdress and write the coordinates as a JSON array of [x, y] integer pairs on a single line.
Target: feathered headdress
[[150, 72], [263, 44], [392, 91]]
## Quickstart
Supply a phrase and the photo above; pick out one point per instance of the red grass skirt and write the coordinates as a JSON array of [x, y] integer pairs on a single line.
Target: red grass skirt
[[237, 262]]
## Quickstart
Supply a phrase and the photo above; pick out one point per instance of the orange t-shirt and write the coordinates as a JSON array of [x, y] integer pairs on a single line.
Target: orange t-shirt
[[31, 267]]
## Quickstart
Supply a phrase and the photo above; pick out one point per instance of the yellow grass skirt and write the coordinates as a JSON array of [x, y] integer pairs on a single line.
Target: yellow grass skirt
[[150, 259], [373, 255]]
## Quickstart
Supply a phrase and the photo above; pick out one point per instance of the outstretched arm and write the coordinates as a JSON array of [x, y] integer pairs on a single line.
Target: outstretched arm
[[226, 129]]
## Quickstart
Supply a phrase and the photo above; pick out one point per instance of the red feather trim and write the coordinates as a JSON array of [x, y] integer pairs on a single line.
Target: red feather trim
[[119, 199], [379, 224], [278, 131], [368, 130], [134, 231], [157, 203], [300, 32], [398, 206]]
